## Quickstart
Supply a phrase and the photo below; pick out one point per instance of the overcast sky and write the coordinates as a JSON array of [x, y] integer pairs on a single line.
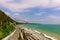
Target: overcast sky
[[36, 11]]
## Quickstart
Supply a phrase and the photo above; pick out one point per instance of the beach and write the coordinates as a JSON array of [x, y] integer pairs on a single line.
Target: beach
[[27, 34]]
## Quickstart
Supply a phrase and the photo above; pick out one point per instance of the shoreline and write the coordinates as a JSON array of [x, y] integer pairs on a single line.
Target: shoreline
[[53, 35], [29, 30], [49, 36], [46, 35]]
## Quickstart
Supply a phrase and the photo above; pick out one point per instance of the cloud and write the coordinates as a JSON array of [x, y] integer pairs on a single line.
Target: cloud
[[51, 19], [54, 19], [55, 3], [17, 6], [19, 18], [20, 5], [27, 19], [23, 4], [16, 14], [39, 14], [14, 6]]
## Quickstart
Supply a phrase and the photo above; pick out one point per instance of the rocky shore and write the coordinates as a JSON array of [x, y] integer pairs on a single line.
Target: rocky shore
[[23, 33]]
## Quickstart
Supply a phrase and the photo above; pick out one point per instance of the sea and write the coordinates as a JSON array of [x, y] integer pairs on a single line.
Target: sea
[[53, 28]]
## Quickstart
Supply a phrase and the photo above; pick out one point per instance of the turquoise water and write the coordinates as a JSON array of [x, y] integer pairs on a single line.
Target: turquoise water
[[46, 27]]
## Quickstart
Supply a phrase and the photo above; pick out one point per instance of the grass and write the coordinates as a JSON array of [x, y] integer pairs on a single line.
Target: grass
[[7, 25], [1, 34], [6, 31]]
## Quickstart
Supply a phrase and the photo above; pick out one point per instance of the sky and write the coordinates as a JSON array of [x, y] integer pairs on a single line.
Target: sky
[[33, 11]]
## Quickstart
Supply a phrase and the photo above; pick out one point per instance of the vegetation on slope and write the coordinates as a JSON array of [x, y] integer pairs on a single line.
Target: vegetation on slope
[[7, 25]]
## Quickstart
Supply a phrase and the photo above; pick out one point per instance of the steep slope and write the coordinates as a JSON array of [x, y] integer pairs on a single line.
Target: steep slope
[[4, 19], [7, 25]]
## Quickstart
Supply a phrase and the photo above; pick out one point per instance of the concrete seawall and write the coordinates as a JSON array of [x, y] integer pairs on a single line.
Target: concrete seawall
[[22, 33]]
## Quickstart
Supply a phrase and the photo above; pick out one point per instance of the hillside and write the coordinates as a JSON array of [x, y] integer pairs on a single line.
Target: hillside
[[7, 25], [5, 19]]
